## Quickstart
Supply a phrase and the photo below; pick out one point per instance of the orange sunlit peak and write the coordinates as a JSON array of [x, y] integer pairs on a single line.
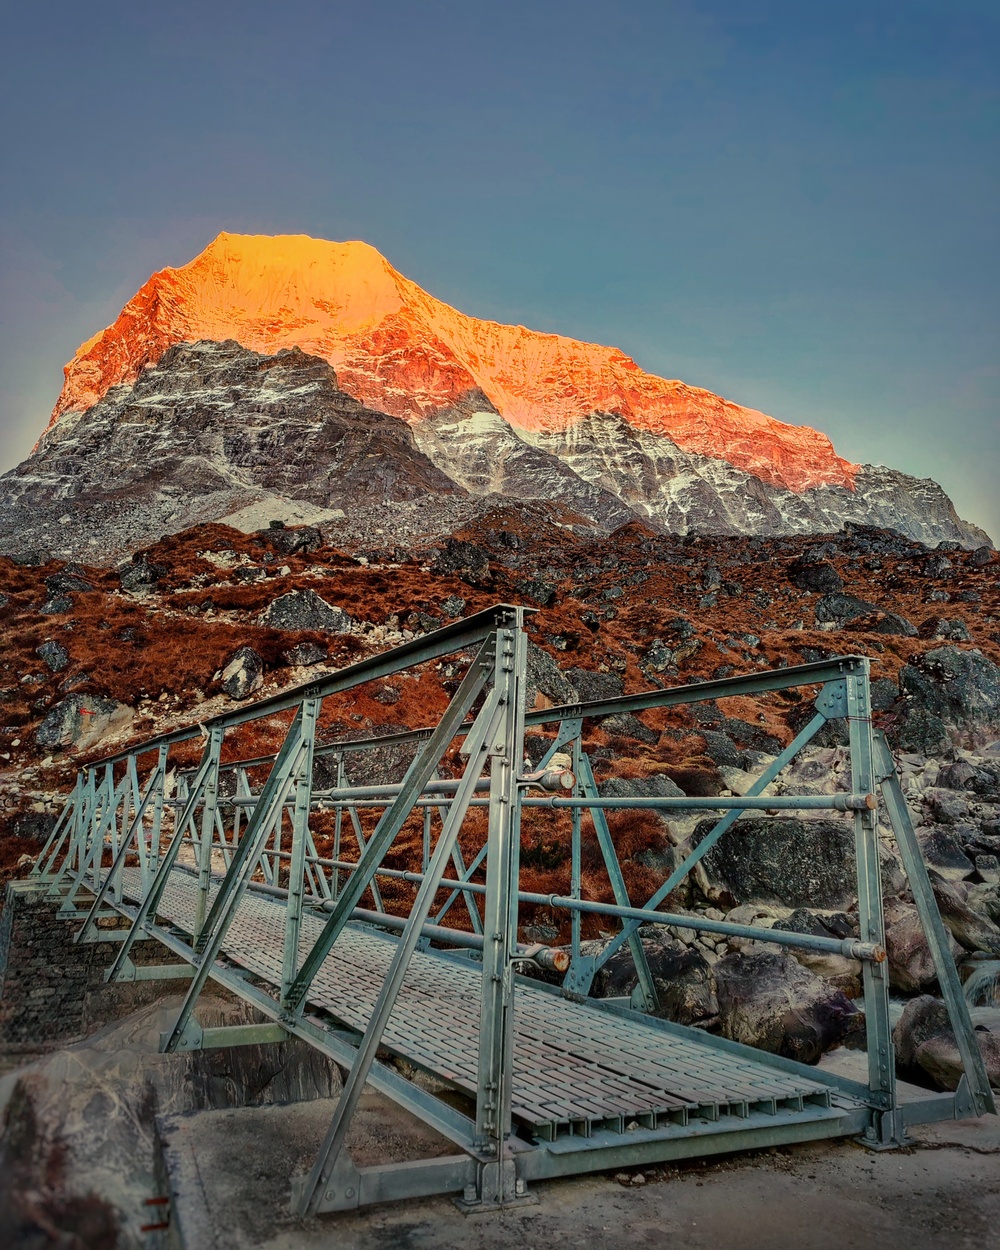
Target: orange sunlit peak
[[400, 350]]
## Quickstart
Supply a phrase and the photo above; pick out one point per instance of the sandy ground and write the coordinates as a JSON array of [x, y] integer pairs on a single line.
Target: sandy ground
[[943, 1192]]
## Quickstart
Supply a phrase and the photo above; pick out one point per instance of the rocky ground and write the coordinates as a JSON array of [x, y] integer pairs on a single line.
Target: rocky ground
[[94, 655]]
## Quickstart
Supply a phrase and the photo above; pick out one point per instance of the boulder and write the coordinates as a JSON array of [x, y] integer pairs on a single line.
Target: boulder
[[884, 623], [625, 725], [911, 967], [304, 609], [982, 556], [684, 981], [972, 930], [546, 678], [926, 1047], [538, 591], [961, 688], [288, 540], [769, 1000], [922, 733], [56, 605], [818, 576], [80, 720], [54, 654], [243, 675], [140, 576], [66, 581], [954, 630], [789, 861], [593, 686], [943, 852], [304, 653], [945, 806], [838, 609], [841, 972], [453, 606], [464, 560]]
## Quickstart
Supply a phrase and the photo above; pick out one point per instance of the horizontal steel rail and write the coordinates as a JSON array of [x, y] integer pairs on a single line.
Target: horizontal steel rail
[[694, 692]]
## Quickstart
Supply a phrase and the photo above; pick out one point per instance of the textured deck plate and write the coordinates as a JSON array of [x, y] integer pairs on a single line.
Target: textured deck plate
[[574, 1067]]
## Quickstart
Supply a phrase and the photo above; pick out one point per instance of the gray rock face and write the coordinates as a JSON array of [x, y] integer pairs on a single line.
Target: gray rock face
[[304, 609], [483, 454], [211, 429], [80, 720], [689, 493], [214, 430], [769, 1000]]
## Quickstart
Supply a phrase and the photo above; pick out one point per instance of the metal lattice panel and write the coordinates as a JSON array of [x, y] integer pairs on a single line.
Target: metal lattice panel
[[573, 1063]]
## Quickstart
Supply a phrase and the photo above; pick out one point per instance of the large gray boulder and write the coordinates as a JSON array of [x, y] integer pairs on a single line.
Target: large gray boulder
[[790, 861], [80, 720], [769, 1000], [926, 1047], [960, 688], [243, 675], [304, 609], [547, 679]]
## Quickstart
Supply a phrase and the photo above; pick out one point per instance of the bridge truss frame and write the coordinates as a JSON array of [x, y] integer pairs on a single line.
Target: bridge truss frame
[[127, 836]]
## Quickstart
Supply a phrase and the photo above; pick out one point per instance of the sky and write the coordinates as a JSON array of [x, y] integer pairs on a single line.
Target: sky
[[794, 205]]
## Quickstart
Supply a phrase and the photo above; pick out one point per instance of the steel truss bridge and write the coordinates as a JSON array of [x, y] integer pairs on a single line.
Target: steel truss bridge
[[226, 876]]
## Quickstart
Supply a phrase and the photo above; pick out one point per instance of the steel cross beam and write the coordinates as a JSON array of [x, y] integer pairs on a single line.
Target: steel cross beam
[[315, 1189]]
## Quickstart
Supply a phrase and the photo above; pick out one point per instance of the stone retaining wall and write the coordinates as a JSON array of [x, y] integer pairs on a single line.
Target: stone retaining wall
[[52, 989]]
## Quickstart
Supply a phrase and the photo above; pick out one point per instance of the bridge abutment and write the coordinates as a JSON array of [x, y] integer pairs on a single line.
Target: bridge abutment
[[51, 988]]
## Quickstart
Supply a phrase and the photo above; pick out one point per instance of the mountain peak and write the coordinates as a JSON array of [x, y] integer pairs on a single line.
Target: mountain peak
[[403, 352]]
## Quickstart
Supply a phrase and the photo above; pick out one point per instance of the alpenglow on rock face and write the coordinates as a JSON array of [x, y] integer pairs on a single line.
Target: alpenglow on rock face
[[299, 369]]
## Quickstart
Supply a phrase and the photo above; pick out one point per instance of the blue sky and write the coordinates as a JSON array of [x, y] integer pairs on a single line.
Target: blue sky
[[794, 205]]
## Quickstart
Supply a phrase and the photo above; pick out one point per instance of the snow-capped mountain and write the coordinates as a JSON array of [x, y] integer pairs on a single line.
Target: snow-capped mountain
[[290, 370]]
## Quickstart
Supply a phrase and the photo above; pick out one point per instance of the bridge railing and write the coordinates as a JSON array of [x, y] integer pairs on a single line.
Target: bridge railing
[[265, 825]]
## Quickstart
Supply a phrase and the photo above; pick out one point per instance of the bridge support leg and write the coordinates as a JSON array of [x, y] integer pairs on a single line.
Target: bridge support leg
[[980, 1094], [871, 921]]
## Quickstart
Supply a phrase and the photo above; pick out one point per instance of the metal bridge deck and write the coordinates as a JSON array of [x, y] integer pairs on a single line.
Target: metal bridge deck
[[575, 1067]]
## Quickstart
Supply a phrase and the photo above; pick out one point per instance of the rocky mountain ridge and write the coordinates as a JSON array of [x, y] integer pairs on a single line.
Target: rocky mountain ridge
[[214, 431], [138, 446]]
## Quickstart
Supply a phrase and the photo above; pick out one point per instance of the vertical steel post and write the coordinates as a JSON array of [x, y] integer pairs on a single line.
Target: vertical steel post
[[338, 832], [208, 810], [881, 1059], [151, 855], [496, 1014], [575, 874], [300, 835], [934, 930]]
